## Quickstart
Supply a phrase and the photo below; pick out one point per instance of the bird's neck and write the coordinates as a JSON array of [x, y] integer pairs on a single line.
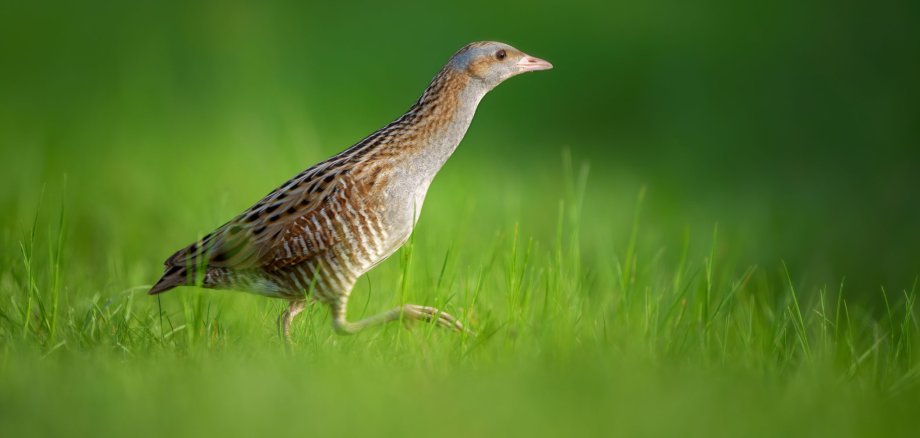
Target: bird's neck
[[419, 142], [440, 118]]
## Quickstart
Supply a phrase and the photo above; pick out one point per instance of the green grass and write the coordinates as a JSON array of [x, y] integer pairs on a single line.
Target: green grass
[[584, 324]]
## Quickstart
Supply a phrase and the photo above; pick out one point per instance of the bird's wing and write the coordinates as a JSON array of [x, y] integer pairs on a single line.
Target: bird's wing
[[258, 238]]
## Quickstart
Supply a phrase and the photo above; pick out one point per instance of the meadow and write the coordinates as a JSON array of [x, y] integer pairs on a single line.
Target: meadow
[[700, 223]]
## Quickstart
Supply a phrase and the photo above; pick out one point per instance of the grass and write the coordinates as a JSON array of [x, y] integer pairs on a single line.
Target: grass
[[588, 322]]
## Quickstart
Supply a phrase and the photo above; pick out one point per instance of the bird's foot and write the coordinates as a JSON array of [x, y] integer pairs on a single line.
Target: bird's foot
[[432, 314], [287, 318]]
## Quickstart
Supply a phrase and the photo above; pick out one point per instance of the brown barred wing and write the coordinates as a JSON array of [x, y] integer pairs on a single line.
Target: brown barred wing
[[256, 237], [341, 229]]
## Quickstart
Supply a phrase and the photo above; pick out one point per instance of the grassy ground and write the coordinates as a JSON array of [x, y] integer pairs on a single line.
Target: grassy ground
[[592, 316]]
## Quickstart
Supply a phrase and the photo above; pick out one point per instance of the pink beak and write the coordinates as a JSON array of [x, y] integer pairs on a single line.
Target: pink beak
[[529, 63]]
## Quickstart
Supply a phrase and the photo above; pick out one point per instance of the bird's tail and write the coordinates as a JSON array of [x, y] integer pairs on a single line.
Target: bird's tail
[[174, 276]]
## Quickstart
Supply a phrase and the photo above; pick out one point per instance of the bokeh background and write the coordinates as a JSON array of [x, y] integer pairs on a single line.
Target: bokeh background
[[790, 124], [759, 133]]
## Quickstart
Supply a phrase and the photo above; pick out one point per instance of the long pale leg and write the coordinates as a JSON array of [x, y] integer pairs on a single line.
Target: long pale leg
[[288, 316], [407, 311]]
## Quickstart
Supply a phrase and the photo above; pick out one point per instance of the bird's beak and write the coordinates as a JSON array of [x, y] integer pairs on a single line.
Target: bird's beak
[[529, 63]]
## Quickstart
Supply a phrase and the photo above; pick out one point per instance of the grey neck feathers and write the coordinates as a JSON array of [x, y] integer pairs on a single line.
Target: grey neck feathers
[[444, 113]]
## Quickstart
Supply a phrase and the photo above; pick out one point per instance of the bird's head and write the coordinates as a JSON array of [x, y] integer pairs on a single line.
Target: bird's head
[[492, 62]]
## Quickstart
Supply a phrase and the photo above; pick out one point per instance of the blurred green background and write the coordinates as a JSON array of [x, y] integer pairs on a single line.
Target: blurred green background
[[794, 127], [791, 124]]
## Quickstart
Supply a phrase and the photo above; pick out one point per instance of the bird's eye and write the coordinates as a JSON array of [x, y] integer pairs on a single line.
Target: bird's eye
[[500, 55]]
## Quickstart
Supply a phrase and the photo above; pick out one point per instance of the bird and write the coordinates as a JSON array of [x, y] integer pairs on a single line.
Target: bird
[[310, 239]]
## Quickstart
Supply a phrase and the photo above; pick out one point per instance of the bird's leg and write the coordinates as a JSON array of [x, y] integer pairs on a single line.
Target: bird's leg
[[287, 317], [408, 311]]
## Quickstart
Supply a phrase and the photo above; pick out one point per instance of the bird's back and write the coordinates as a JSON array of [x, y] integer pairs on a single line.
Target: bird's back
[[319, 231]]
